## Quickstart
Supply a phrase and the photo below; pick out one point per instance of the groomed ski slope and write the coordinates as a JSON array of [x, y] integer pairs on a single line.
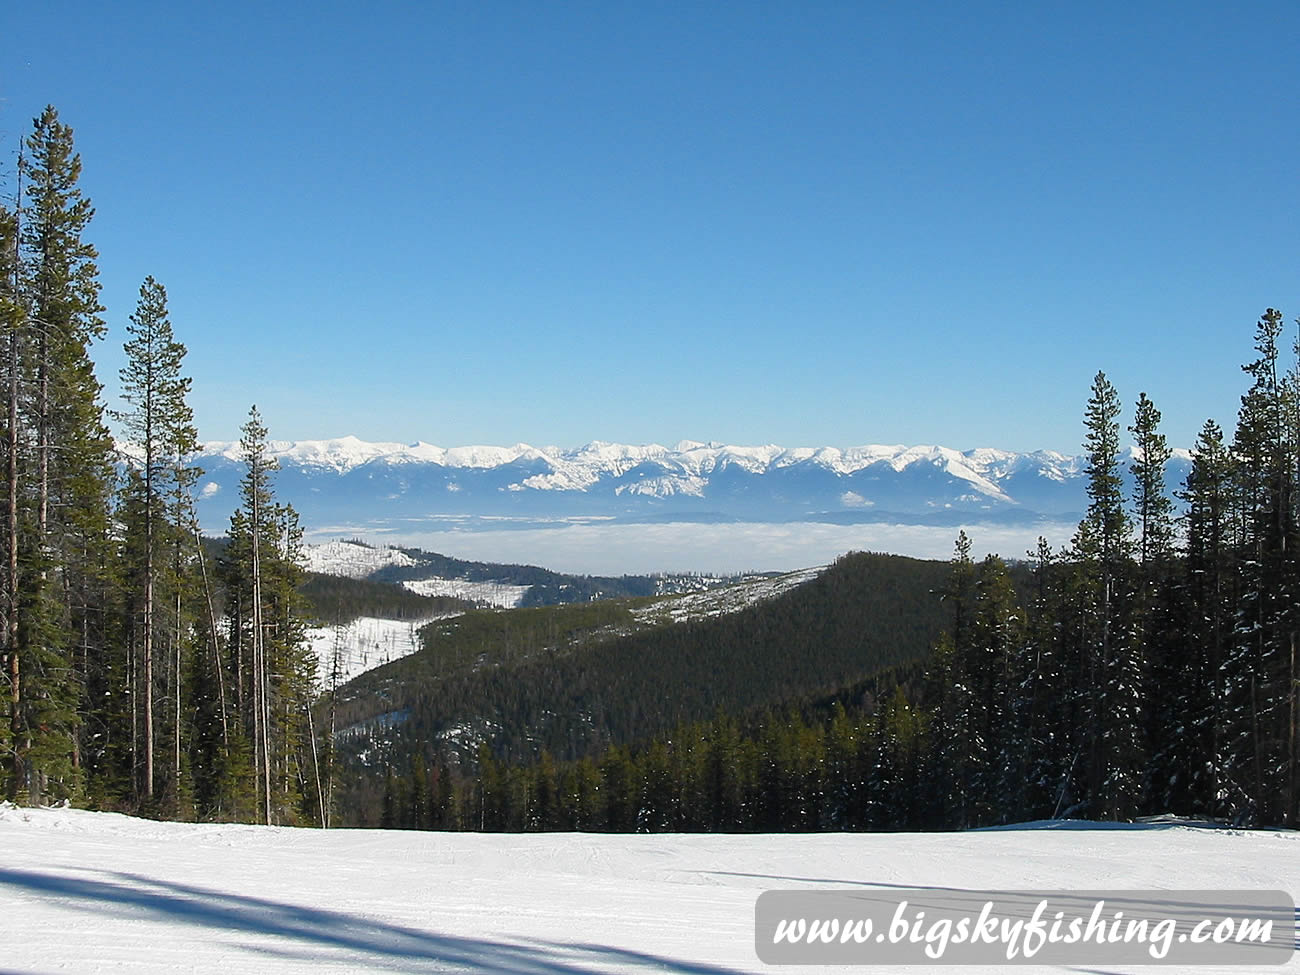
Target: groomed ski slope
[[95, 892]]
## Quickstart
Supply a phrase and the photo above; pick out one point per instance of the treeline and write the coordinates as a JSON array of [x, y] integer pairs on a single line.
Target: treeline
[[139, 673], [572, 680], [813, 768], [335, 600], [545, 587], [1151, 666]]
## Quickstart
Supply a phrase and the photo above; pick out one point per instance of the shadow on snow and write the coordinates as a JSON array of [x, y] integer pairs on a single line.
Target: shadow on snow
[[316, 935]]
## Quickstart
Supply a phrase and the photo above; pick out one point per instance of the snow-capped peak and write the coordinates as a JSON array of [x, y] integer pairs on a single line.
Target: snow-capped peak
[[420, 479]]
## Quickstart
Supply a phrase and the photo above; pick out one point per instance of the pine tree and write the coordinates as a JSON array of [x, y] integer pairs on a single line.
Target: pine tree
[[1108, 651], [1046, 717], [1156, 618], [996, 641], [273, 672], [160, 431], [950, 790], [13, 320], [1154, 508], [59, 471], [1209, 600], [1260, 671]]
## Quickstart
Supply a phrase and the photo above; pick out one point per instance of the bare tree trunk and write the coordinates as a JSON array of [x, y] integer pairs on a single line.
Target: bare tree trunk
[[315, 762], [237, 639], [1257, 743], [259, 663], [176, 754], [1290, 812], [148, 650], [335, 670], [132, 689], [12, 607], [216, 646]]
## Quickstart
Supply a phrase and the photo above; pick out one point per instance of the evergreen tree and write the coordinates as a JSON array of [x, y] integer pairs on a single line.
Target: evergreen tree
[[273, 671], [1156, 618], [59, 471], [13, 320], [159, 429], [1046, 724], [951, 693], [1210, 595], [1260, 671], [1109, 649], [996, 641], [1154, 508]]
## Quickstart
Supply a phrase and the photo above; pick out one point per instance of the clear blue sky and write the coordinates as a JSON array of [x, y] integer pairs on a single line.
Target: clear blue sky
[[799, 223]]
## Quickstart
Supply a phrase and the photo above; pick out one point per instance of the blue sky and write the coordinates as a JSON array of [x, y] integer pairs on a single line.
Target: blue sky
[[804, 223]]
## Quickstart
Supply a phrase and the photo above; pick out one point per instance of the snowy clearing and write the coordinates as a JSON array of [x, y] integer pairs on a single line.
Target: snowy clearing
[[97, 892], [500, 594], [364, 644], [339, 558], [728, 599]]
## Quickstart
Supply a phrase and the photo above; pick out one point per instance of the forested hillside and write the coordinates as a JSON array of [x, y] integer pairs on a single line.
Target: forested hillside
[[338, 599], [572, 680]]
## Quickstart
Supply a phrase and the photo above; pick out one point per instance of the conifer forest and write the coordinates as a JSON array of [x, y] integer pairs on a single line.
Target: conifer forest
[[1150, 666], [139, 674]]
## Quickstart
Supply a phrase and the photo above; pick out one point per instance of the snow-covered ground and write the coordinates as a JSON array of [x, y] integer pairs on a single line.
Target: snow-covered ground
[[97, 892], [501, 594], [340, 558], [364, 644], [728, 599]]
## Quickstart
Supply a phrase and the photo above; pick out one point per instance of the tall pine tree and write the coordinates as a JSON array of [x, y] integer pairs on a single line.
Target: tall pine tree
[[159, 434], [60, 470]]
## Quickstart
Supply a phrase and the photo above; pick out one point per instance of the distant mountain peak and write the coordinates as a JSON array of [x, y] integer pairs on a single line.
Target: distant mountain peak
[[373, 485]]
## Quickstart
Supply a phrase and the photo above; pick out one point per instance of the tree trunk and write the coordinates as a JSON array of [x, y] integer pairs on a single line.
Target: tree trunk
[[148, 664], [176, 742], [148, 618], [216, 646], [259, 663], [12, 608]]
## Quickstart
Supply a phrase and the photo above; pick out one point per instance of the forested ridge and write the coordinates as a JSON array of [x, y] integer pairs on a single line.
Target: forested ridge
[[338, 599], [571, 680], [545, 588]]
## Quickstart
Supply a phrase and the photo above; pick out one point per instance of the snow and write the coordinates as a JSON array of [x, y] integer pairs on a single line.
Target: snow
[[727, 599], [369, 642], [564, 479], [100, 892], [664, 487], [339, 558], [501, 594], [364, 644], [343, 454], [339, 453], [689, 460]]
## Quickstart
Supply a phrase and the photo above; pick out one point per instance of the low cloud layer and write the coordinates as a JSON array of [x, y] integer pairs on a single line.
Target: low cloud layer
[[609, 549]]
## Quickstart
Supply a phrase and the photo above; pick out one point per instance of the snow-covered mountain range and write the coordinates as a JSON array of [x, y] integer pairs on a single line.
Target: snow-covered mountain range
[[347, 483]]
